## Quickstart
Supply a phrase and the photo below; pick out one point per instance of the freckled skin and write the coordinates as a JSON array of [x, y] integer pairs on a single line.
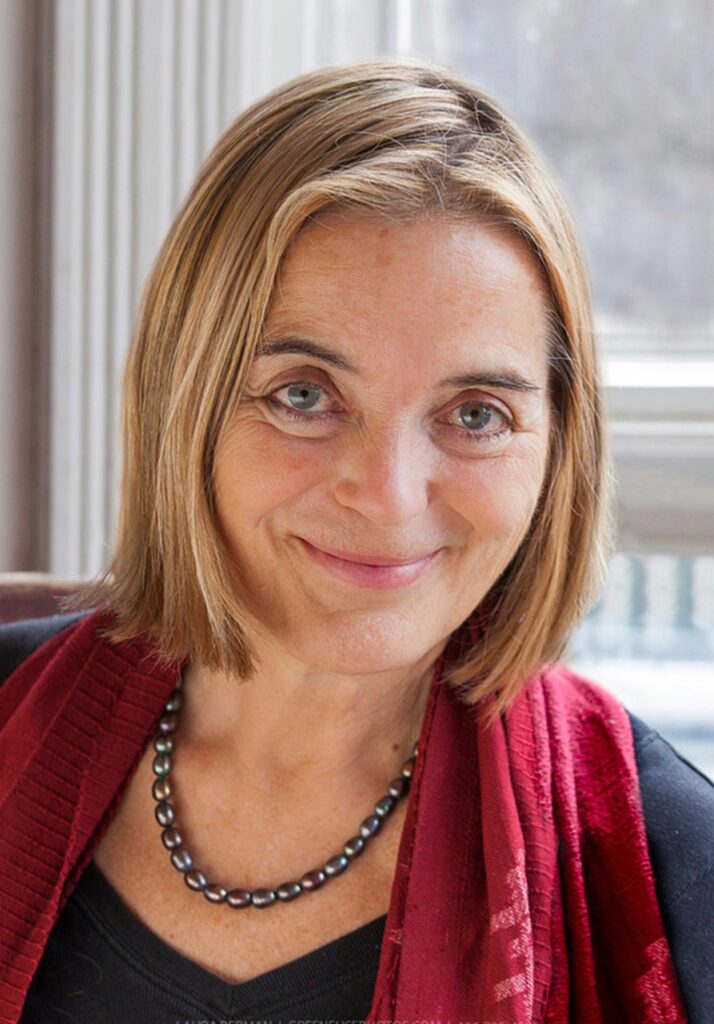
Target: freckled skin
[[410, 303]]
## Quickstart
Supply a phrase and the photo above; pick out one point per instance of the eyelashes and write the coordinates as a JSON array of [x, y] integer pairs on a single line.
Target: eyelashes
[[487, 411]]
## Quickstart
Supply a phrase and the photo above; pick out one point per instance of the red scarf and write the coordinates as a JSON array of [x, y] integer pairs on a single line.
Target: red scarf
[[523, 893]]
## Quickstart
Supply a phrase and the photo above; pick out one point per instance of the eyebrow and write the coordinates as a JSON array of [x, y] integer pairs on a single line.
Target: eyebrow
[[506, 378]]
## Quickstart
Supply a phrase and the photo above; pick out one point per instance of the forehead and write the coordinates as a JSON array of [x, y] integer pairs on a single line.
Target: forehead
[[431, 281]]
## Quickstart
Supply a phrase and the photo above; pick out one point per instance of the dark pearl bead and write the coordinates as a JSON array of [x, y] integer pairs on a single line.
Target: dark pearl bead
[[167, 723], [215, 893], [384, 806], [171, 838], [263, 897], [163, 745], [353, 847], [408, 768], [398, 787], [182, 859], [313, 879], [161, 764], [369, 826], [174, 703], [239, 898], [164, 814], [162, 788], [195, 880], [288, 891], [336, 865]]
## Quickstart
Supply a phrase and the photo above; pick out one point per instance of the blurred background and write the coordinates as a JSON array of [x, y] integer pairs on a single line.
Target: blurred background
[[107, 107]]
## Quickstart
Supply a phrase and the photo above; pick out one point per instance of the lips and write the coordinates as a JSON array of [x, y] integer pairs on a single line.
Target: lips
[[388, 575], [347, 556]]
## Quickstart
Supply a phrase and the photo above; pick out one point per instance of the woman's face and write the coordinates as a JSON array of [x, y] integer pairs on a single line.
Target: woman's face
[[400, 412]]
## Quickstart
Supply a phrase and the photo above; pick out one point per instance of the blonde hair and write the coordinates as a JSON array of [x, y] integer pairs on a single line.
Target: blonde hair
[[401, 138]]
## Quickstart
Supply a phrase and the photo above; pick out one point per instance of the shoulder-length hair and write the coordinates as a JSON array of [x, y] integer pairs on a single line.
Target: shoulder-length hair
[[401, 138]]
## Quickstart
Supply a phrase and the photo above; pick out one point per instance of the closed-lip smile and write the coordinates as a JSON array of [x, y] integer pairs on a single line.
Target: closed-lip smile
[[379, 573], [346, 556]]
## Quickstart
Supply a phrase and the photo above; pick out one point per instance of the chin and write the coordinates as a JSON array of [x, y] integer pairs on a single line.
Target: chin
[[366, 648]]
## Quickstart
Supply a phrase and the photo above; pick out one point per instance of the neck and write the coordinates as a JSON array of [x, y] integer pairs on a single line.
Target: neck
[[291, 727]]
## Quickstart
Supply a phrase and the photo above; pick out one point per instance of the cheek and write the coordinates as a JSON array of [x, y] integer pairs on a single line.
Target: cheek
[[252, 474], [498, 496]]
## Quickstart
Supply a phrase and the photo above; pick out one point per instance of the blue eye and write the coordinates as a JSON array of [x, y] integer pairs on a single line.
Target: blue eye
[[479, 419], [304, 394], [478, 416]]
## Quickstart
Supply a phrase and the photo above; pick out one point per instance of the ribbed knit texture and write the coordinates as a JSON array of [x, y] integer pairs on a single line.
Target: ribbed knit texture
[[74, 719], [523, 892]]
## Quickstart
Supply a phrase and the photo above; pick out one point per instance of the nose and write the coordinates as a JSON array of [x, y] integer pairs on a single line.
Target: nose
[[387, 477]]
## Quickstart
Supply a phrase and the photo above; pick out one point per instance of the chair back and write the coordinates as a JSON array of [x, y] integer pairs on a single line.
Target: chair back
[[32, 595]]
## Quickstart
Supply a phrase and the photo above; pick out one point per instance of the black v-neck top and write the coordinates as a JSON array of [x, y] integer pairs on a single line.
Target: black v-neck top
[[103, 965]]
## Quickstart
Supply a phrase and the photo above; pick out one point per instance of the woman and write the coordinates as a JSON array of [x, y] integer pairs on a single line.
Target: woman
[[364, 503]]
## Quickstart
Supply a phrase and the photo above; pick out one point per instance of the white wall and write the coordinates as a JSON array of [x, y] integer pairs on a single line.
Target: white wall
[[17, 181]]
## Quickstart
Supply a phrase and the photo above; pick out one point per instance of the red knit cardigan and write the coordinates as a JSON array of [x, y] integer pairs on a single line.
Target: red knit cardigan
[[523, 891]]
